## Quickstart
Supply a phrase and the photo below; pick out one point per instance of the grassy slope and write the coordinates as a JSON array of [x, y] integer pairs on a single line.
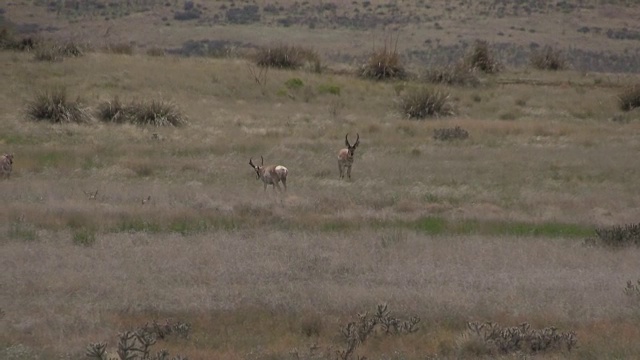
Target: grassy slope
[[486, 229]]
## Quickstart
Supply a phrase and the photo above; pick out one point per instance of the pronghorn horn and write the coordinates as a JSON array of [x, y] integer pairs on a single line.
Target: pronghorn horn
[[346, 140], [251, 163], [357, 140], [262, 160]]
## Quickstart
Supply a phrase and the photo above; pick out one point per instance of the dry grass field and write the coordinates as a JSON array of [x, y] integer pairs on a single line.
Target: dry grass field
[[106, 227]]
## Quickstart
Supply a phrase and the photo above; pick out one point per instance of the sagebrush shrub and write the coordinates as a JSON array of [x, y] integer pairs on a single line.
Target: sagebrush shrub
[[425, 102], [548, 58], [629, 99], [54, 106]]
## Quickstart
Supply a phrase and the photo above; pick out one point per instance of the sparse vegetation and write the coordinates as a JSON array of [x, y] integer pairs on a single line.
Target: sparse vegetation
[[617, 236], [423, 102], [629, 99], [107, 225], [460, 74], [548, 58], [55, 107], [51, 51], [491, 339], [449, 134], [138, 344]]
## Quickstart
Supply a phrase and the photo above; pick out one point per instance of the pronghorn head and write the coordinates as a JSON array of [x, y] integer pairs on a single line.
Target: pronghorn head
[[257, 168], [9, 157], [351, 149]]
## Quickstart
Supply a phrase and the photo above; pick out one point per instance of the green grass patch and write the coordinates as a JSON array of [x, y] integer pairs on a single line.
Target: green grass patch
[[440, 226]]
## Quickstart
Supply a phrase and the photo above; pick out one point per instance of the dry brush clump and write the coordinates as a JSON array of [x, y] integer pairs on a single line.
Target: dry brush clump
[[384, 63], [288, 57], [548, 58], [617, 236], [8, 41], [356, 332], [449, 134], [482, 58], [155, 112], [629, 99], [423, 102], [54, 106], [458, 74], [53, 51], [491, 339], [137, 344]]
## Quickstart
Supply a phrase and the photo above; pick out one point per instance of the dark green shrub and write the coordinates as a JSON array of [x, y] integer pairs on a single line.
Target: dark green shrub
[[482, 58], [629, 99], [286, 57], [384, 63], [53, 106], [548, 58], [425, 102]]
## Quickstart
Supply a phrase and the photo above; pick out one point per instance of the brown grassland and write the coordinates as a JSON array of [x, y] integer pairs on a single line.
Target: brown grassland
[[105, 227]]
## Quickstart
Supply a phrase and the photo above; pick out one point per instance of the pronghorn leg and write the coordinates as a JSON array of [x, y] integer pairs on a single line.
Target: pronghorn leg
[[284, 183], [349, 171], [341, 169]]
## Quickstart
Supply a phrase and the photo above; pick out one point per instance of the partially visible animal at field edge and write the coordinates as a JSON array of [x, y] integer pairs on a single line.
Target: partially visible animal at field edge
[[345, 156], [6, 165], [270, 175]]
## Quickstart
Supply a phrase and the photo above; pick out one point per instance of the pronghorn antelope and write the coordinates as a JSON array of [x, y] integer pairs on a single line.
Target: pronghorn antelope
[[6, 165], [271, 175], [345, 156]]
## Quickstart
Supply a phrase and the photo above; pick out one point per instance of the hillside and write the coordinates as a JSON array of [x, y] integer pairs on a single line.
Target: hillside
[[596, 35]]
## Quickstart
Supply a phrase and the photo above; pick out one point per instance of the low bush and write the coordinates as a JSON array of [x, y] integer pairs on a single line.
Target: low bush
[[629, 99], [287, 57], [548, 58], [54, 106], [491, 339], [137, 344], [57, 52], [156, 113], [449, 134], [617, 236], [425, 102]]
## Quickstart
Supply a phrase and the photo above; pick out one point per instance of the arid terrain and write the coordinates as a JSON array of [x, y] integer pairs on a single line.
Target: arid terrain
[[513, 236]]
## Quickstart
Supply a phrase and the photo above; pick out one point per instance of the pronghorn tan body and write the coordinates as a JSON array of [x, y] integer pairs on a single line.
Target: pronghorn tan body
[[345, 156], [271, 175], [6, 165]]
